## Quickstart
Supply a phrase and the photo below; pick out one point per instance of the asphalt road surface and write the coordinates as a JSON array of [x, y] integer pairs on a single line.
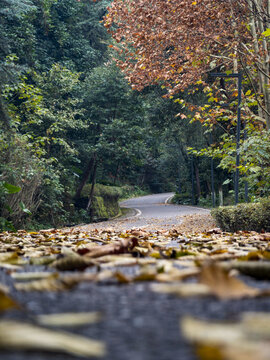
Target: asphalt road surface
[[150, 212]]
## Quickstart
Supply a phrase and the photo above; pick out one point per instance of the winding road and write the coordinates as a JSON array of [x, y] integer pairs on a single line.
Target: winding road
[[150, 212]]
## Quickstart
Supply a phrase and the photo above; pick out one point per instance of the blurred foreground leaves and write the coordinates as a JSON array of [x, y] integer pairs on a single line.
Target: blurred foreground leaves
[[183, 264], [247, 339], [24, 336]]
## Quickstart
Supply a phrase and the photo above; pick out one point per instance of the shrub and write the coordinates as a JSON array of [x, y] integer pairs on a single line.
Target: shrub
[[251, 216], [20, 168], [182, 199]]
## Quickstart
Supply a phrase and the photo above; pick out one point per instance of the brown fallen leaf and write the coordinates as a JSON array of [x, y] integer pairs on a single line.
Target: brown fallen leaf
[[223, 285], [122, 278], [118, 247], [73, 262], [6, 302], [24, 336]]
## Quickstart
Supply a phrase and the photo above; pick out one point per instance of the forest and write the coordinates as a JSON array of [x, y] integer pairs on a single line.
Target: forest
[[118, 98]]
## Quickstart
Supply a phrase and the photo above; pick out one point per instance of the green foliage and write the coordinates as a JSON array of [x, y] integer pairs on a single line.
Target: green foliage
[[182, 199], [63, 102], [19, 166], [11, 189], [105, 191], [251, 216]]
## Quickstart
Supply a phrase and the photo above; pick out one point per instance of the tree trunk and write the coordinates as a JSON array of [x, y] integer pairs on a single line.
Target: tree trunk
[[86, 175], [220, 193], [4, 118], [93, 182], [262, 64], [192, 182], [197, 175], [116, 173]]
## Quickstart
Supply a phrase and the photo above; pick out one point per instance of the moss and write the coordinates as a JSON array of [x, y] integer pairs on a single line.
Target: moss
[[251, 216], [104, 208], [105, 201], [104, 191]]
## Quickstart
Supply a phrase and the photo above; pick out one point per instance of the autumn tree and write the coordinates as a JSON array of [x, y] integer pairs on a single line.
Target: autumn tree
[[177, 43]]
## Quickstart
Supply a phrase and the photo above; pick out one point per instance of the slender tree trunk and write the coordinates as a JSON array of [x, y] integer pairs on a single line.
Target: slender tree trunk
[[86, 175], [265, 59], [4, 118], [220, 192], [192, 182], [197, 176], [93, 182], [116, 173], [256, 25]]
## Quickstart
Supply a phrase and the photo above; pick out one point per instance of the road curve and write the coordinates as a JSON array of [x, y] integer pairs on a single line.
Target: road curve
[[155, 210], [150, 212]]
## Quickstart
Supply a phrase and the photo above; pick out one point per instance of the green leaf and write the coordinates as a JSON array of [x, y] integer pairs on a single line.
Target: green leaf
[[24, 209], [12, 189]]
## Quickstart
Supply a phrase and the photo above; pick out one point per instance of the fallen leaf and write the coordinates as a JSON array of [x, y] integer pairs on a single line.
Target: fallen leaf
[[73, 262], [69, 319], [27, 276], [52, 283], [177, 275], [24, 336], [183, 290], [256, 269], [6, 302], [242, 340], [210, 333], [225, 286], [119, 247]]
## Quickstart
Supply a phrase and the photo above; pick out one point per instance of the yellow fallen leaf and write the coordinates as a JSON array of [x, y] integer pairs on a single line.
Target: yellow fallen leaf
[[177, 274], [27, 276], [183, 290], [52, 283], [69, 319], [24, 336], [227, 341]]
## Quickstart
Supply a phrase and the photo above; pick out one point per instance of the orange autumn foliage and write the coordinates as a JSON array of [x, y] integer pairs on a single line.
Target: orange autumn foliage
[[176, 42]]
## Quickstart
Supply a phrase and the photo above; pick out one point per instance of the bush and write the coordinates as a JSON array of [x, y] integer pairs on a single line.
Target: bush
[[250, 217], [182, 199], [20, 167]]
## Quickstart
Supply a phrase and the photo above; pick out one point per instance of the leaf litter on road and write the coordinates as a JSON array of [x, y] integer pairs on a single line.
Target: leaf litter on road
[[167, 259]]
